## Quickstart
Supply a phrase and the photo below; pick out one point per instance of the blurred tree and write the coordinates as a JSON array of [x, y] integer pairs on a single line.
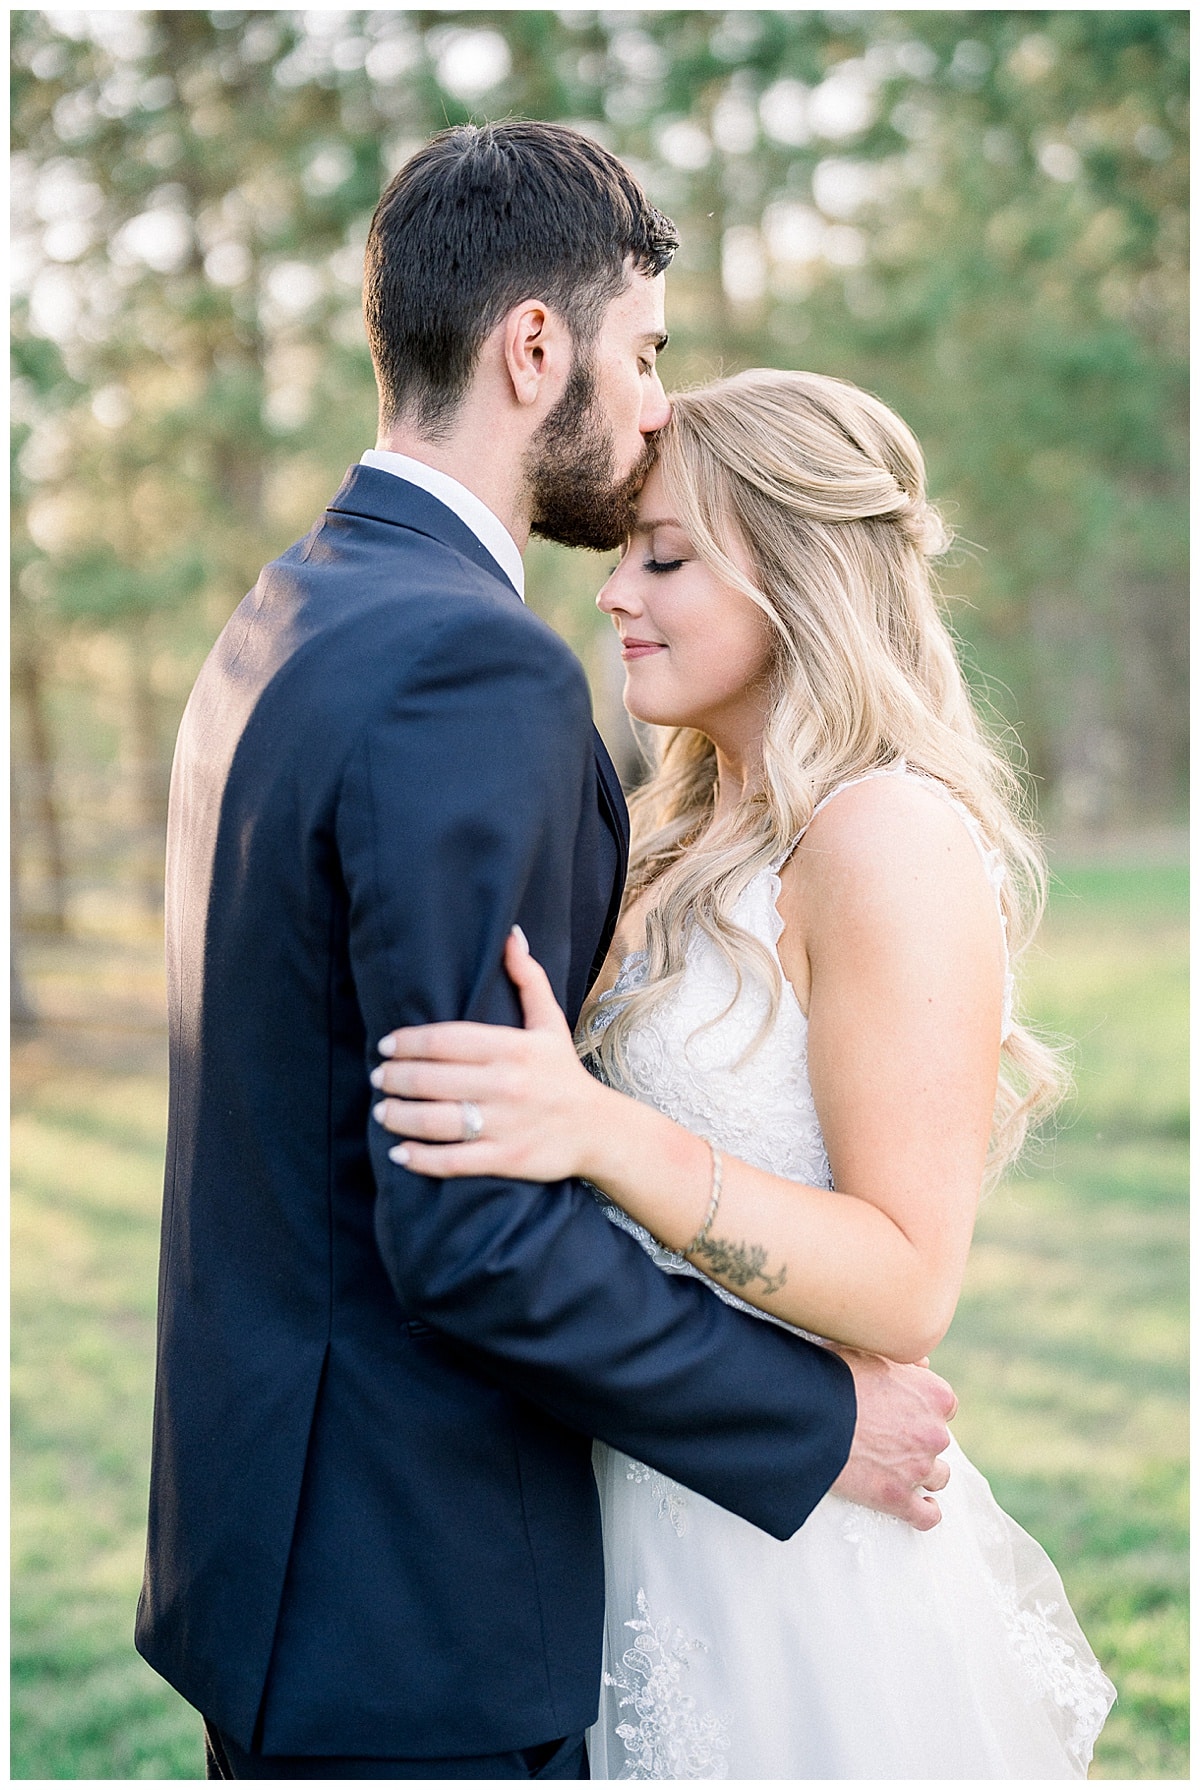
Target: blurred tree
[[983, 217], [980, 215]]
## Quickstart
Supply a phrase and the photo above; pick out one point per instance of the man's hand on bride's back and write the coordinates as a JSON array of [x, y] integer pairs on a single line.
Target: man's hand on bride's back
[[901, 1431], [526, 1090]]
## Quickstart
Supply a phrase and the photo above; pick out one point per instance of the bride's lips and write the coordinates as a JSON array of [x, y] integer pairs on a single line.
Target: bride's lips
[[640, 649]]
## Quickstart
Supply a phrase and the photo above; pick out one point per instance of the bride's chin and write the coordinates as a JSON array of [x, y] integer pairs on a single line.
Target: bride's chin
[[657, 707], [651, 713]]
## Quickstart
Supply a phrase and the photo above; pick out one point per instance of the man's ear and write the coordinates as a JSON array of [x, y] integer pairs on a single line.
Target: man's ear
[[537, 351]]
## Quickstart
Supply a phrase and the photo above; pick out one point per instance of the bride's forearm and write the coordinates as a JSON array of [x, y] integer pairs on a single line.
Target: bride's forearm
[[829, 1262], [655, 1170]]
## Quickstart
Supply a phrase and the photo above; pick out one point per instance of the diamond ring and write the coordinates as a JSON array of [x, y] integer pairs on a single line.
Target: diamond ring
[[472, 1121]]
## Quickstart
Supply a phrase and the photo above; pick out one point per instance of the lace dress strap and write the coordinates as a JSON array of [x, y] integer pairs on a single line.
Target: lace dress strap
[[993, 860], [898, 769]]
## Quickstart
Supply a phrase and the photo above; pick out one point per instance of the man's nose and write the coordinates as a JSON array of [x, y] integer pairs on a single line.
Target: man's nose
[[656, 407]]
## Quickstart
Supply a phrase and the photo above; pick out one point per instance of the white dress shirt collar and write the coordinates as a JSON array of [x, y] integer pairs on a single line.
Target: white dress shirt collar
[[482, 522]]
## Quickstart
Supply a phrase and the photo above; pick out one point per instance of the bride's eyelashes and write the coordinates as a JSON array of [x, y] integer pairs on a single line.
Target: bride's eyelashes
[[661, 565]]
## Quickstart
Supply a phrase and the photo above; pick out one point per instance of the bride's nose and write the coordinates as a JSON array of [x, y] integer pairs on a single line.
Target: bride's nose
[[620, 591]]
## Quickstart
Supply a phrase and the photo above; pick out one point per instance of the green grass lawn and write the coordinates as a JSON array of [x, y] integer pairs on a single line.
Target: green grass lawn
[[1069, 1351], [87, 1184]]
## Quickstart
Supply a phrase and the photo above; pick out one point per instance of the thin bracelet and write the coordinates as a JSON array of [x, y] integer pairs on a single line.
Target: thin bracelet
[[714, 1199]]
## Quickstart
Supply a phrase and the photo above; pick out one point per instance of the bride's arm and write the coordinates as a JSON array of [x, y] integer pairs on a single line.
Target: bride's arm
[[892, 934]]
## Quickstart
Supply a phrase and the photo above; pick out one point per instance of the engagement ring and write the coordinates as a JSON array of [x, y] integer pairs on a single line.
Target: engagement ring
[[472, 1121]]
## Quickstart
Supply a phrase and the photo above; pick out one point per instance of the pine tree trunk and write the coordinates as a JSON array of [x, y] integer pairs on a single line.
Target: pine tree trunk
[[29, 690], [22, 1013], [151, 779]]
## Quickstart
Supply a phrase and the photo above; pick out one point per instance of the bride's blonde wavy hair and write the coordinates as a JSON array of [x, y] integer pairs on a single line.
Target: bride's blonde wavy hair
[[822, 488]]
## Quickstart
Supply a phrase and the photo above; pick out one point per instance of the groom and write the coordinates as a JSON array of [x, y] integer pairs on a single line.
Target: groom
[[374, 1541]]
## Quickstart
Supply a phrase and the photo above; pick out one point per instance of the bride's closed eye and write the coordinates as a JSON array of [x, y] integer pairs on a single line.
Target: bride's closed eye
[[661, 565]]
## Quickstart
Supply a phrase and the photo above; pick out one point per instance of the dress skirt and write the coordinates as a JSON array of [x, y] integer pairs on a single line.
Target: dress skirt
[[859, 1648]]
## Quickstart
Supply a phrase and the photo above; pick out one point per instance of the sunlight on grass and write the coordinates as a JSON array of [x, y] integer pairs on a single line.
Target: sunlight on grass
[[1069, 1351], [88, 1181]]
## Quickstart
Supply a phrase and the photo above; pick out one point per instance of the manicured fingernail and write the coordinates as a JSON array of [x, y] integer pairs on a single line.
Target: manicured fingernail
[[387, 1045], [378, 1110], [520, 938], [399, 1154], [376, 1076]]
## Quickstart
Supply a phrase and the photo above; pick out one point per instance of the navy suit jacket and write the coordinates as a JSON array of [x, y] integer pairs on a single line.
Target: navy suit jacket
[[373, 1524]]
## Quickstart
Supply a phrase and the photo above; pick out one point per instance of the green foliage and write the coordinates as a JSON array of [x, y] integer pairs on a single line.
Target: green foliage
[[100, 586], [981, 215]]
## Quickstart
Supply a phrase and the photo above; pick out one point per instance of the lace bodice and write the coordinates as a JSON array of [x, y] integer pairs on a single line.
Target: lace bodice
[[693, 1059], [691, 1055]]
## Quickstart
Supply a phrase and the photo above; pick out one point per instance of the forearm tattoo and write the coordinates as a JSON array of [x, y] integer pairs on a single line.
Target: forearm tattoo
[[740, 1263]]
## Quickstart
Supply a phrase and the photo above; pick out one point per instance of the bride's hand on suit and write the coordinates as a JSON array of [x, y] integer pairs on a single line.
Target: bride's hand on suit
[[536, 1105]]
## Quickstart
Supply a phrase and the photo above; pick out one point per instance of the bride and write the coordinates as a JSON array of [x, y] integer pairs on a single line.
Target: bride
[[805, 1065]]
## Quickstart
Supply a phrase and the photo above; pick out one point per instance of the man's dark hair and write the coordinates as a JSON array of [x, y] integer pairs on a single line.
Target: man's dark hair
[[480, 218]]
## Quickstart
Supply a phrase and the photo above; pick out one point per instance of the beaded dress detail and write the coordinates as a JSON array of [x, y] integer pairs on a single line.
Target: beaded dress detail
[[859, 1648]]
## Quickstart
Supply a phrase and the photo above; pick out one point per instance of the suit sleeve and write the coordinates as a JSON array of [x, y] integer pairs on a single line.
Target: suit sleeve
[[457, 817]]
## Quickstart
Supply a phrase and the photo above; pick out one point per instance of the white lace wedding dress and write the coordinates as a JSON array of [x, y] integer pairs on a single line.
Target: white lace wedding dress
[[859, 1648]]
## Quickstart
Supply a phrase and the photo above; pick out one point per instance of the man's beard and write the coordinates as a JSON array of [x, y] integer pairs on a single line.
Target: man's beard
[[574, 498]]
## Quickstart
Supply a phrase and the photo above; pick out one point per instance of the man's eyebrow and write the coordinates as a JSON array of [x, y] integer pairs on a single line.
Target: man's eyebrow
[[657, 342]]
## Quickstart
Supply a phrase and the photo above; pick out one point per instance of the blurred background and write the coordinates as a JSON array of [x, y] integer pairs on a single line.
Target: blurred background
[[979, 215]]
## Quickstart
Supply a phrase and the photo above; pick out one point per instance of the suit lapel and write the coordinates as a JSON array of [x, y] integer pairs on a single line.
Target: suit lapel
[[616, 815]]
